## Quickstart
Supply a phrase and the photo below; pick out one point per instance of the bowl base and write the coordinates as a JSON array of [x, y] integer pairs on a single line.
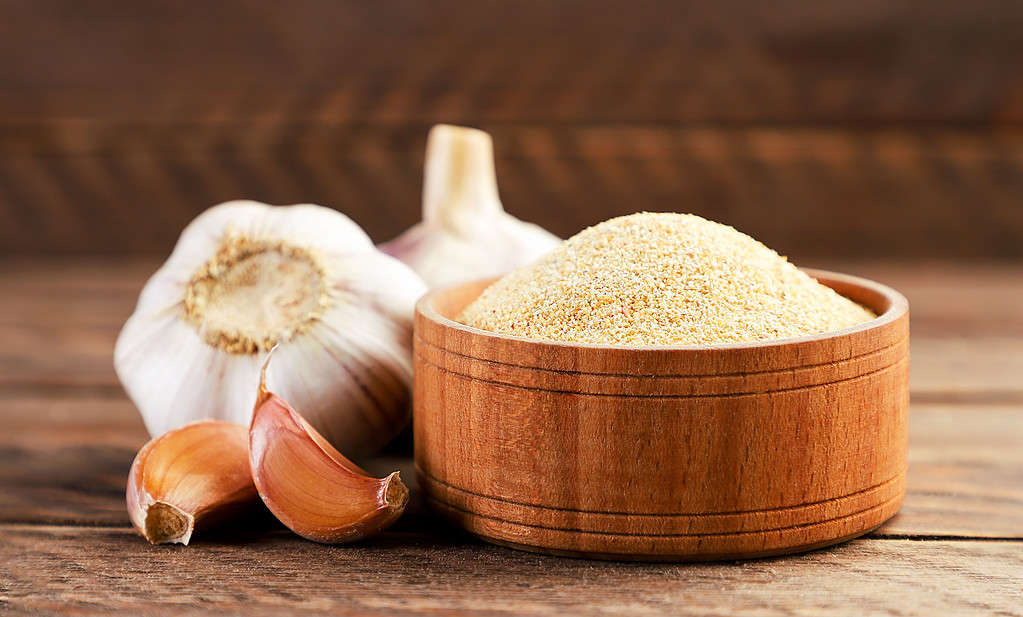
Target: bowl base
[[675, 558], [686, 547]]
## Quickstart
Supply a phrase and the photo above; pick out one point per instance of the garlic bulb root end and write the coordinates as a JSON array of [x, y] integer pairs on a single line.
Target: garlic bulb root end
[[395, 492], [167, 524]]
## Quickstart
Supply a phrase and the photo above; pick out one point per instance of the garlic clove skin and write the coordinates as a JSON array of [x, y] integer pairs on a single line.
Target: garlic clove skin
[[310, 486], [246, 276], [465, 233], [190, 478]]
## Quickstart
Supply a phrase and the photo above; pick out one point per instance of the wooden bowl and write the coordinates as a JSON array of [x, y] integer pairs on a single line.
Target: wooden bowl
[[663, 453]]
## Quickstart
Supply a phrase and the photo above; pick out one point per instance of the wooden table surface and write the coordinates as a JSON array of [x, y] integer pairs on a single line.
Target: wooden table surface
[[66, 546]]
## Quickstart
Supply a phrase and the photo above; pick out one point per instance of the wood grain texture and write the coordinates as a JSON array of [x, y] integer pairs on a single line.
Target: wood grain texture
[[66, 457], [831, 128], [649, 453], [807, 192], [57, 371], [965, 473], [966, 326], [70, 434], [61, 570], [573, 61]]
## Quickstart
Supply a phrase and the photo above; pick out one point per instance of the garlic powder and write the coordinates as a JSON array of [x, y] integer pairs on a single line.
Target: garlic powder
[[661, 279]]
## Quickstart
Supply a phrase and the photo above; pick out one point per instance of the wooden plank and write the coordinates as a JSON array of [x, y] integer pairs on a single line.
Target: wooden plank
[[808, 192], [60, 570], [965, 473], [64, 459], [60, 326], [658, 62], [951, 300], [966, 370], [59, 358], [967, 331], [948, 299]]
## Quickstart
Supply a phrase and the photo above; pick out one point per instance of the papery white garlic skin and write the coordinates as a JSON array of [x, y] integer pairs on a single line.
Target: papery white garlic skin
[[344, 353], [465, 233]]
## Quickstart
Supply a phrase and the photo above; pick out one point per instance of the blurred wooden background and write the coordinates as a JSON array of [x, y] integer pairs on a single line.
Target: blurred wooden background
[[866, 128]]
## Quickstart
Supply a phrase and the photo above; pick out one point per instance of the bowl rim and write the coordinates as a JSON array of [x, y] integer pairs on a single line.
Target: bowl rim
[[898, 306]]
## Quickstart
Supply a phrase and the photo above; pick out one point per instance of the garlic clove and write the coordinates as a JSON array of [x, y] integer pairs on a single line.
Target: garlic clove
[[190, 478], [310, 486], [465, 233]]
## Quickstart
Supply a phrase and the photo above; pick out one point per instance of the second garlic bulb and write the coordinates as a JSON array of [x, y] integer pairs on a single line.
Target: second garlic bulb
[[245, 277], [465, 233]]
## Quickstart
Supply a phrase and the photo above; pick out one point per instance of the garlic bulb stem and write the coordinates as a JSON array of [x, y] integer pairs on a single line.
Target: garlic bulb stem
[[459, 174], [465, 233]]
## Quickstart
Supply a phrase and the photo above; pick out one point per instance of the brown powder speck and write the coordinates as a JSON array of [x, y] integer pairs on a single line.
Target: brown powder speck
[[661, 279]]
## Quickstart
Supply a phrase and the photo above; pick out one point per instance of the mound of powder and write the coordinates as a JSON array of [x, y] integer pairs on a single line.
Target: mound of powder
[[661, 279]]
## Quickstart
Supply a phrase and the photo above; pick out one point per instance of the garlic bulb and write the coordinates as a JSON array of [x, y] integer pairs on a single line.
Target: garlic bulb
[[245, 277], [465, 233]]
